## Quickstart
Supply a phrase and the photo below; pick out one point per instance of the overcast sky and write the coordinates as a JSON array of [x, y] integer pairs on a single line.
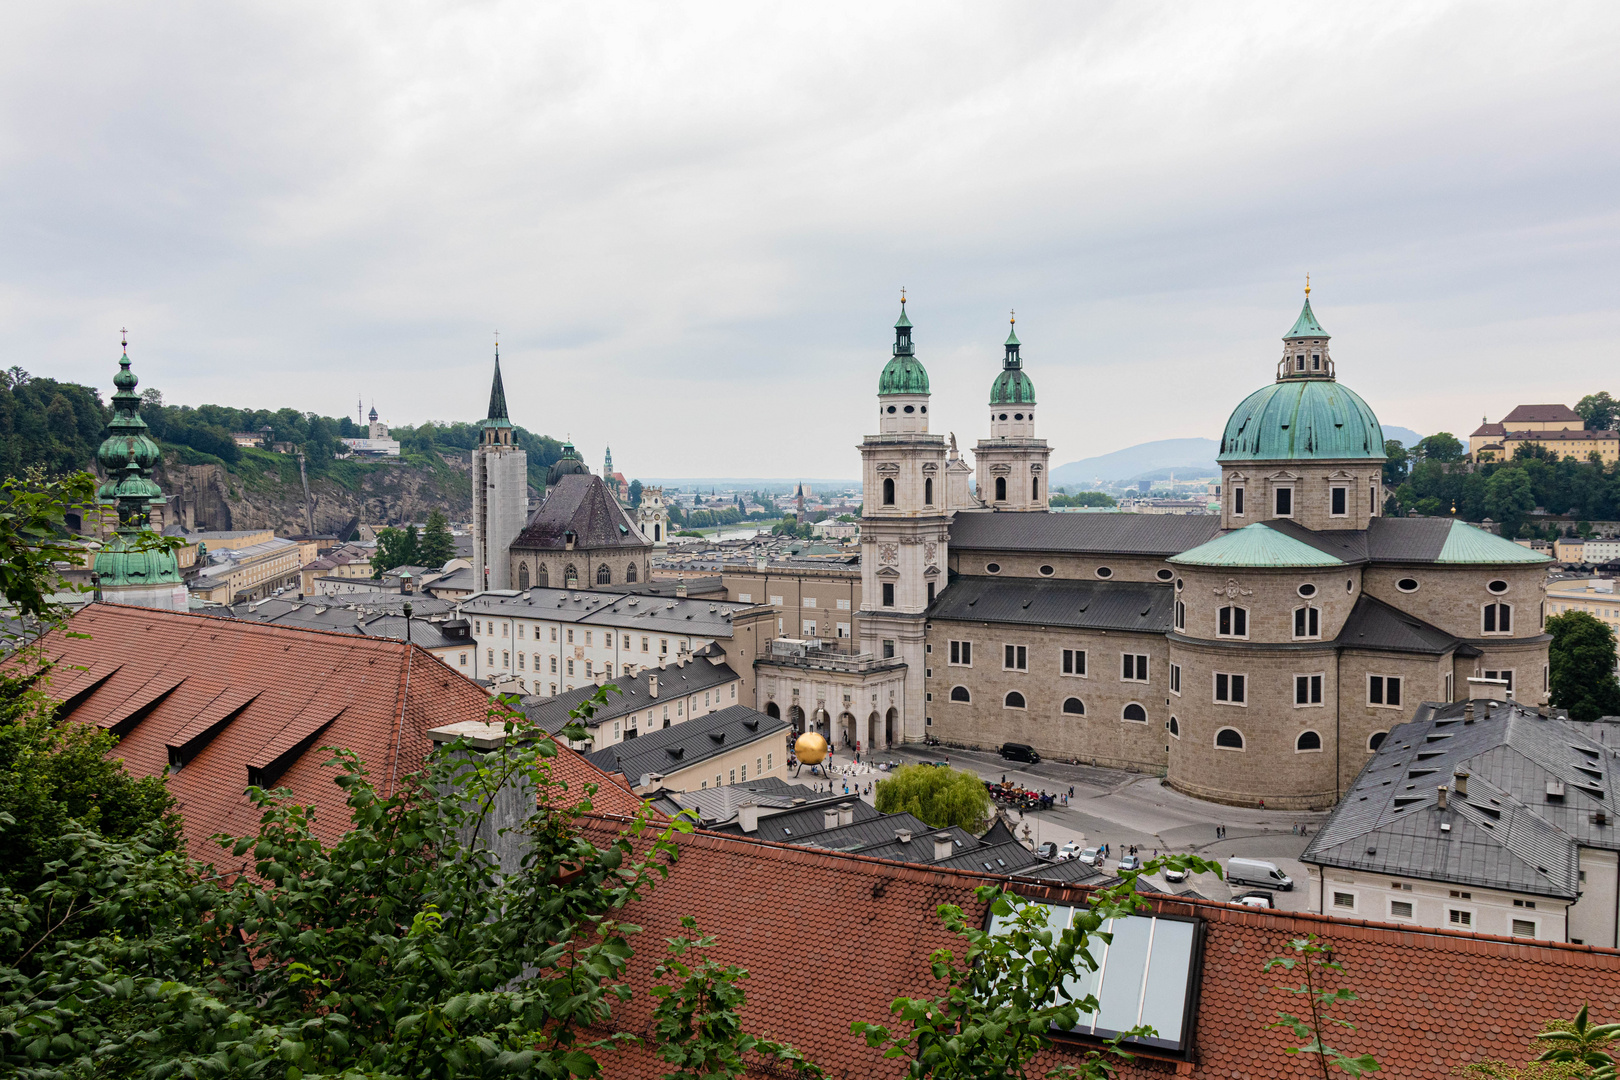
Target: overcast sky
[[690, 223]]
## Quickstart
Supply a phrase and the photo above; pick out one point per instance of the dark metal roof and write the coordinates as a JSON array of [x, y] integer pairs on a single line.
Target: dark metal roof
[[635, 694], [1374, 624], [920, 848], [1122, 534], [683, 745], [1013, 858], [871, 833], [792, 826], [1402, 540], [1102, 605], [1348, 545], [582, 505], [1507, 833]]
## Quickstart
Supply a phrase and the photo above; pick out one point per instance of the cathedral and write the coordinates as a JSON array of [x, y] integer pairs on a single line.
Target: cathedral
[[1258, 656]]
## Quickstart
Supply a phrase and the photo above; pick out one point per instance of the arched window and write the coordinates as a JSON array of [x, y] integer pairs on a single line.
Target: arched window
[[1307, 622], [523, 576], [1308, 740], [630, 574], [1375, 740], [1015, 700], [1498, 619], [928, 491], [658, 532], [1175, 727], [604, 576], [570, 576], [1232, 621], [1001, 489], [544, 581], [888, 491], [1074, 706], [1229, 739], [1035, 489], [960, 693], [1135, 712]]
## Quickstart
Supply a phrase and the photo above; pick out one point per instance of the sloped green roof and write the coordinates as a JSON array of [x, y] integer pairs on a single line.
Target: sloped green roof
[[1310, 419], [1466, 544], [1255, 546], [1306, 325], [1012, 387], [903, 375]]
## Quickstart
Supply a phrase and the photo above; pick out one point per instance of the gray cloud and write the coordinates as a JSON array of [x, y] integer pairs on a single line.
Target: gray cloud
[[690, 223]]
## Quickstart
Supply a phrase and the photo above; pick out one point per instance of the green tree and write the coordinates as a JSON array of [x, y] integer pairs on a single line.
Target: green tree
[[1011, 987], [395, 547], [1084, 498], [1600, 411], [1580, 666], [1508, 499], [1442, 446], [697, 1019], [33, 537], [437, 546], [1396, 461], [939, 796], [635, 493], [1315, 962]]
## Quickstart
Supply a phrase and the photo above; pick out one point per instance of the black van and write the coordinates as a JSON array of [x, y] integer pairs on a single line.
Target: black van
[[1017, 751]]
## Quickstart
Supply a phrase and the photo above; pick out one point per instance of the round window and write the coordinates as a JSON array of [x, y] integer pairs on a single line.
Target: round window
[[1103, 571], [992, 568], [1165, 575], [1307, 589], [1407, 584], [1498, 586], [911, 408], [1047, 571], [1179, 584], [1349, 584], [1018, 416], [891, 408], [1003, 416], [923, 409]]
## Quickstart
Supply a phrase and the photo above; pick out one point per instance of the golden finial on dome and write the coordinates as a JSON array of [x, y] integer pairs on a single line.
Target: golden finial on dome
[[902, 294], [1013, 315], [1307, 284]]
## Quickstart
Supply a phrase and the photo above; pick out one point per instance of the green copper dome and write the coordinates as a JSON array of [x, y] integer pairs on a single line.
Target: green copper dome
[[126, 433], [129, 558], [1306, 325], [1012, 386], [1302, 419], [903, 374]]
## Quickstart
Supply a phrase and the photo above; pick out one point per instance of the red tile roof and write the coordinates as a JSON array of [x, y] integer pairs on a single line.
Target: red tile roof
[[1488, 429], [829, 938], [1530, 415], [230, 699]]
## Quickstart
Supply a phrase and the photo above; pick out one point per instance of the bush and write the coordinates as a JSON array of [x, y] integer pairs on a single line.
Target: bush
[[939, 796]]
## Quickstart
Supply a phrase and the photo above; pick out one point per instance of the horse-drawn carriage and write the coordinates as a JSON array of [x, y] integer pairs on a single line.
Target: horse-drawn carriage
[[1018, 797]]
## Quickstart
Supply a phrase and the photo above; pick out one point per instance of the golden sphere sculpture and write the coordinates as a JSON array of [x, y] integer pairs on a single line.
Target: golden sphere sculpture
[[810, 748]]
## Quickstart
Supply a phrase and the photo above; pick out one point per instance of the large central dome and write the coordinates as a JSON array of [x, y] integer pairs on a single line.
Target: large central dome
[[1302, 418]]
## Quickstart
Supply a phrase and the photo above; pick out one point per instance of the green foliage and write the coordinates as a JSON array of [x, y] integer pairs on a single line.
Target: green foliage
[[33, 536], [1580, 666], [395, 547], [1442, 446], [1600, 411], [1084, 498], [437, 546], [1568, 1050], [635, 493], [803, 530], [696, 1020], [1508, 498], [1397, 463], [1010, 988], [401, 950], [938, 796], [1315, 961], [47, 425]]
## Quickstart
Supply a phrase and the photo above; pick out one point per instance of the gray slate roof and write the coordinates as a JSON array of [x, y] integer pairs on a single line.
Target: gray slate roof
[[683, 745], [795, 825], [1508, 832], [1374, 624], [551, 713], [627, 611], [1101, 605], [581, 504], [1125, 534]]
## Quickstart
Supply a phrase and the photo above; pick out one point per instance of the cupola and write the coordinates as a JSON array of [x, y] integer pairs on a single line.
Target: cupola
[[903, 386], [1012, 394]]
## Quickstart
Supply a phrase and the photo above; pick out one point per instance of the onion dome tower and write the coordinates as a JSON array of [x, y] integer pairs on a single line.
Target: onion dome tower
[[903, 386], [1011, 464], [129, 568], [500, 490], [1305, 448]]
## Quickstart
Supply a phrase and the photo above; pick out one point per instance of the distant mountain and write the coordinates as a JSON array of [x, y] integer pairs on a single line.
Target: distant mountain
[[1185, 457]]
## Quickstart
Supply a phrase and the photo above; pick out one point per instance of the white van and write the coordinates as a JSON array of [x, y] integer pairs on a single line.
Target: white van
[[1258, 872]]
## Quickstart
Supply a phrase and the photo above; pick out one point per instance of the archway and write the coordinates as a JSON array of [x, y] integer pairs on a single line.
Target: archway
[[891, 724], [772, 710], [796, 718], [872, 727], [851, 733], [823, 724]]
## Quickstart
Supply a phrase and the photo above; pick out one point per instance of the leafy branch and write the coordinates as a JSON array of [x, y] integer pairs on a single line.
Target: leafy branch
[[1315, 960]]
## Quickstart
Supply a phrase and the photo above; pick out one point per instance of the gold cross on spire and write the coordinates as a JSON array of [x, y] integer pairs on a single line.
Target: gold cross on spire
[[1013, 315], [123, 332], [1307, 283], [902, 294]]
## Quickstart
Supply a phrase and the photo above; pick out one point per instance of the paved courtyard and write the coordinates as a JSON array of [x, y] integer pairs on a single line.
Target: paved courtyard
[[1118, 808]]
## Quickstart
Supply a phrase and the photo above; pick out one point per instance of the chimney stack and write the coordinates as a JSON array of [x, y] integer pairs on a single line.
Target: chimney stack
[[1440, 798], [829, 818], [1468, 712], [680, 587], [846, 814], [748, 816], [1460, 782], [944, 846], [903, 835], [652, 686]]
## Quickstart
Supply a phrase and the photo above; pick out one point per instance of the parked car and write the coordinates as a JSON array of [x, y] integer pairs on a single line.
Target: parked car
[[1048, 850], [1258, 872], [1017, 751], [1175, 876], [1257, 898], [1130, 862], [1071, 850], [1092, 856]]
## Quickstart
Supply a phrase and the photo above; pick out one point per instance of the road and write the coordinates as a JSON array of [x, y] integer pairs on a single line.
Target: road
[[1118, 808]]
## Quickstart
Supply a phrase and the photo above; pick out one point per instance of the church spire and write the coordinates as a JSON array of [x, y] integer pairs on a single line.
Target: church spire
[[497, 392]]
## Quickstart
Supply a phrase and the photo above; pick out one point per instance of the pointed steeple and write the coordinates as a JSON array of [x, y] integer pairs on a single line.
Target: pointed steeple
[[903, 374], [1012, 386], [1306, 325], [497, 391]]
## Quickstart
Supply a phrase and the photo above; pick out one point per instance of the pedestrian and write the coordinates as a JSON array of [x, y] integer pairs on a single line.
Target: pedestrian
[[1071, 791]]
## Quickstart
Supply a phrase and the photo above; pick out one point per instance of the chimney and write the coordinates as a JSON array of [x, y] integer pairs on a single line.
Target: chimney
[[748, 816], [680, 587], [1468, 712], [846, 814], [903, 835], [829, 818], [944, 847], [652, 686], [1440, 798], [1460, 783]]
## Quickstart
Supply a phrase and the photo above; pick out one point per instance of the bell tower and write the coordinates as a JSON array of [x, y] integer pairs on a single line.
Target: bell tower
[[500, 491], [1011, 464], [903, 523]]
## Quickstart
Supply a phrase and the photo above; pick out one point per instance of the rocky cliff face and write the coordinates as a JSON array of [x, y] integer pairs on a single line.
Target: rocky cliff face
[[261, 492]]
